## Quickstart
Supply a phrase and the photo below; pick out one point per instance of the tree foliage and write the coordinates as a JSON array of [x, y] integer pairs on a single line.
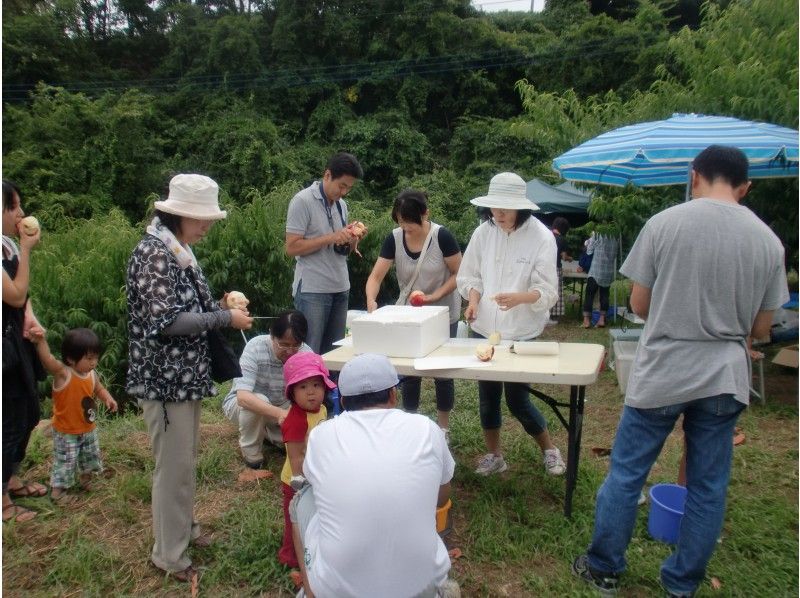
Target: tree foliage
[[105, 99], [737, 63]]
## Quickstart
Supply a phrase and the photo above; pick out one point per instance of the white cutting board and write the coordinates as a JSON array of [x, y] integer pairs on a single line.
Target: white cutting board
[[449, 363]]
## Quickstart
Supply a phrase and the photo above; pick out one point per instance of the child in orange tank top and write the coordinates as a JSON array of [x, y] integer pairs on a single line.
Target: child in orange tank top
[[75, 387]]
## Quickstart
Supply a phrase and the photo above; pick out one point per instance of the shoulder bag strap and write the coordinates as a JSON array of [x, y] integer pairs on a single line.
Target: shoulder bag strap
[[401, 300]]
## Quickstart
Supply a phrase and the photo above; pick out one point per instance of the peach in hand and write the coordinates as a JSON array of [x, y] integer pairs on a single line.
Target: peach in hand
[[30, 225], [416, 298], [237, 300]]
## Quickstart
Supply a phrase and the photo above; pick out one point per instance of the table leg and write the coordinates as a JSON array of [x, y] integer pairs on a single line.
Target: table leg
[[583, 289], [574, 431]]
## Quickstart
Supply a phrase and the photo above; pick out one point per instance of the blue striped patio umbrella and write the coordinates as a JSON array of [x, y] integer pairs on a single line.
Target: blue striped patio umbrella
[[661, 152]]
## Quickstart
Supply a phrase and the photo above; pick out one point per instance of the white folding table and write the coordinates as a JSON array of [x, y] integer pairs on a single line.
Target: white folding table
[[576, 365]]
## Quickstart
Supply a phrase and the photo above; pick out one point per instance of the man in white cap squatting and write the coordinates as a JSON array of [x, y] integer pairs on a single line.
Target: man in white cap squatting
[[366, 524]]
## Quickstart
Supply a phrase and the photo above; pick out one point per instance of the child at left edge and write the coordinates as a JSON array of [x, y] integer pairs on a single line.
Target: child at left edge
[[306, 383], [75, 386]]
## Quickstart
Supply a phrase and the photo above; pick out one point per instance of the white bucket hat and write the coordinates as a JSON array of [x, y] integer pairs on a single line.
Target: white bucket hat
[[192, 196], [507, 191]]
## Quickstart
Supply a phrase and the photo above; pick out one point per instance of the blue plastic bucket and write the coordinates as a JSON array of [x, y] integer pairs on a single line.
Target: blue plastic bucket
[[667, 502], [596, 315]]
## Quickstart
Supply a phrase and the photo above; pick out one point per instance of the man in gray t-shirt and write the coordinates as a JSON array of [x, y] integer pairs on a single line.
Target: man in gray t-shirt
[[318, 238], [706, 274]]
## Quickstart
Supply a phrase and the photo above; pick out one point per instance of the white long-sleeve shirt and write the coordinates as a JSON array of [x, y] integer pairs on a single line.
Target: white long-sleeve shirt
[[521, 261]]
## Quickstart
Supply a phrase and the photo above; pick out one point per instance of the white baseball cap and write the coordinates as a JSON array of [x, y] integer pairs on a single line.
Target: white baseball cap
[[367, 373]]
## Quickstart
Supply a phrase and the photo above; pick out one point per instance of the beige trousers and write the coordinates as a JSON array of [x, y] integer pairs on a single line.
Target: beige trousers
[[175, 454], [253, 429]]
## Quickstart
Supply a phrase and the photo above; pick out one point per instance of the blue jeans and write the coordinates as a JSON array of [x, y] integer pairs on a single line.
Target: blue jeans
[[708, 426], [327, 317], [591, 289]]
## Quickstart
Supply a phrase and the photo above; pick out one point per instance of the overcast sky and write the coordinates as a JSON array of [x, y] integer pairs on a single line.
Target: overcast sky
[[495, 5]]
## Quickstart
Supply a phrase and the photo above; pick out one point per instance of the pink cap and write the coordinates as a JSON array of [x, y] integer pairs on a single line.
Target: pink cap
[[302, 366]]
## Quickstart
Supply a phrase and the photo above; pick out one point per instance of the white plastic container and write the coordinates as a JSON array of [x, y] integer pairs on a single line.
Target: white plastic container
[[630, 334], [624, 351], [401, 330]]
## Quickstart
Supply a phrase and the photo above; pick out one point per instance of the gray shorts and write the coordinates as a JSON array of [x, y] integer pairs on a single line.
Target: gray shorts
[[302, 508]]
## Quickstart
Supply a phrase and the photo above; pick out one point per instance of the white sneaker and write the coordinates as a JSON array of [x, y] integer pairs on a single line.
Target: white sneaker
[[642, 499], [553, 463], [490, 464], [446, 435]]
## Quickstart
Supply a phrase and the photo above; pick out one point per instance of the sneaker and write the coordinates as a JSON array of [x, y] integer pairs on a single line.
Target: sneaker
[[490, 464], [553, 463], [642, 499], [605, 584], [552, 322]]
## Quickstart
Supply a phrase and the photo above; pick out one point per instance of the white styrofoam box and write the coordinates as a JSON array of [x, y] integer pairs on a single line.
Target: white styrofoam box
[[624, 351], [352, 314], [401, 330]]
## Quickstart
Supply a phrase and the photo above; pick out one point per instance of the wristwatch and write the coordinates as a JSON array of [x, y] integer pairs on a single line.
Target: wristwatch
[[297, 482]]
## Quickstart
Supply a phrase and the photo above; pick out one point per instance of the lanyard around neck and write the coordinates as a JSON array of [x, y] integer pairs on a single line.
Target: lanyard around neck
[[328, 211]]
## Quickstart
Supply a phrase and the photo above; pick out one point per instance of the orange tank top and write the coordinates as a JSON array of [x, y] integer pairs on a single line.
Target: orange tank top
[[74, 407]]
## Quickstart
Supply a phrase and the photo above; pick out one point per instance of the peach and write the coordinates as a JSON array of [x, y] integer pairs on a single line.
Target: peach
[[484, 352], [237, 300], [30, 225], [416, 298]]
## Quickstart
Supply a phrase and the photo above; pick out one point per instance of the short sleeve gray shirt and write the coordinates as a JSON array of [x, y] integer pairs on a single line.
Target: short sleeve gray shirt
[[323, 271], [711, 267], [262, 372]]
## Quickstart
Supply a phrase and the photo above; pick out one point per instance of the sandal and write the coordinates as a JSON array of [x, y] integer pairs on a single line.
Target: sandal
[[187, 575], [738, 437], [28, 490], [63, 499], [17, 513]]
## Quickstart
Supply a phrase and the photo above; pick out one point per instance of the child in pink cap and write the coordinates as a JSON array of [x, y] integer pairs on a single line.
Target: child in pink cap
[[306, 383]]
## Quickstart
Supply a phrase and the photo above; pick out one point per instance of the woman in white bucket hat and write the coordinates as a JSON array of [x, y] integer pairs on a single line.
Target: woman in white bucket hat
[[170, 308], [508, 276]]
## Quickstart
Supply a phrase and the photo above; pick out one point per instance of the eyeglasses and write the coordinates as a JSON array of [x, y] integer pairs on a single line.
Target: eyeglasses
[[291, 347]]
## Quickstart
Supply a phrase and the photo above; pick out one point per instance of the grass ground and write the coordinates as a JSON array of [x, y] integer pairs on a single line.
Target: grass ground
[[510, 528]]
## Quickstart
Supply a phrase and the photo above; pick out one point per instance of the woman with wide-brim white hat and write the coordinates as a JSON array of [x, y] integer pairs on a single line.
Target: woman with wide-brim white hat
[[508, 276], [170, 308]]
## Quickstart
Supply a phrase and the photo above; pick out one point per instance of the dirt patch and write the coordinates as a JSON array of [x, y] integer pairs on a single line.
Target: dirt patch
[[780, 385]]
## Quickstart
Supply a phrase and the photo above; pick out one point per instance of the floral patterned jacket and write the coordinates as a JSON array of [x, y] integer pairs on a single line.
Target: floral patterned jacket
[[161, 367]]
